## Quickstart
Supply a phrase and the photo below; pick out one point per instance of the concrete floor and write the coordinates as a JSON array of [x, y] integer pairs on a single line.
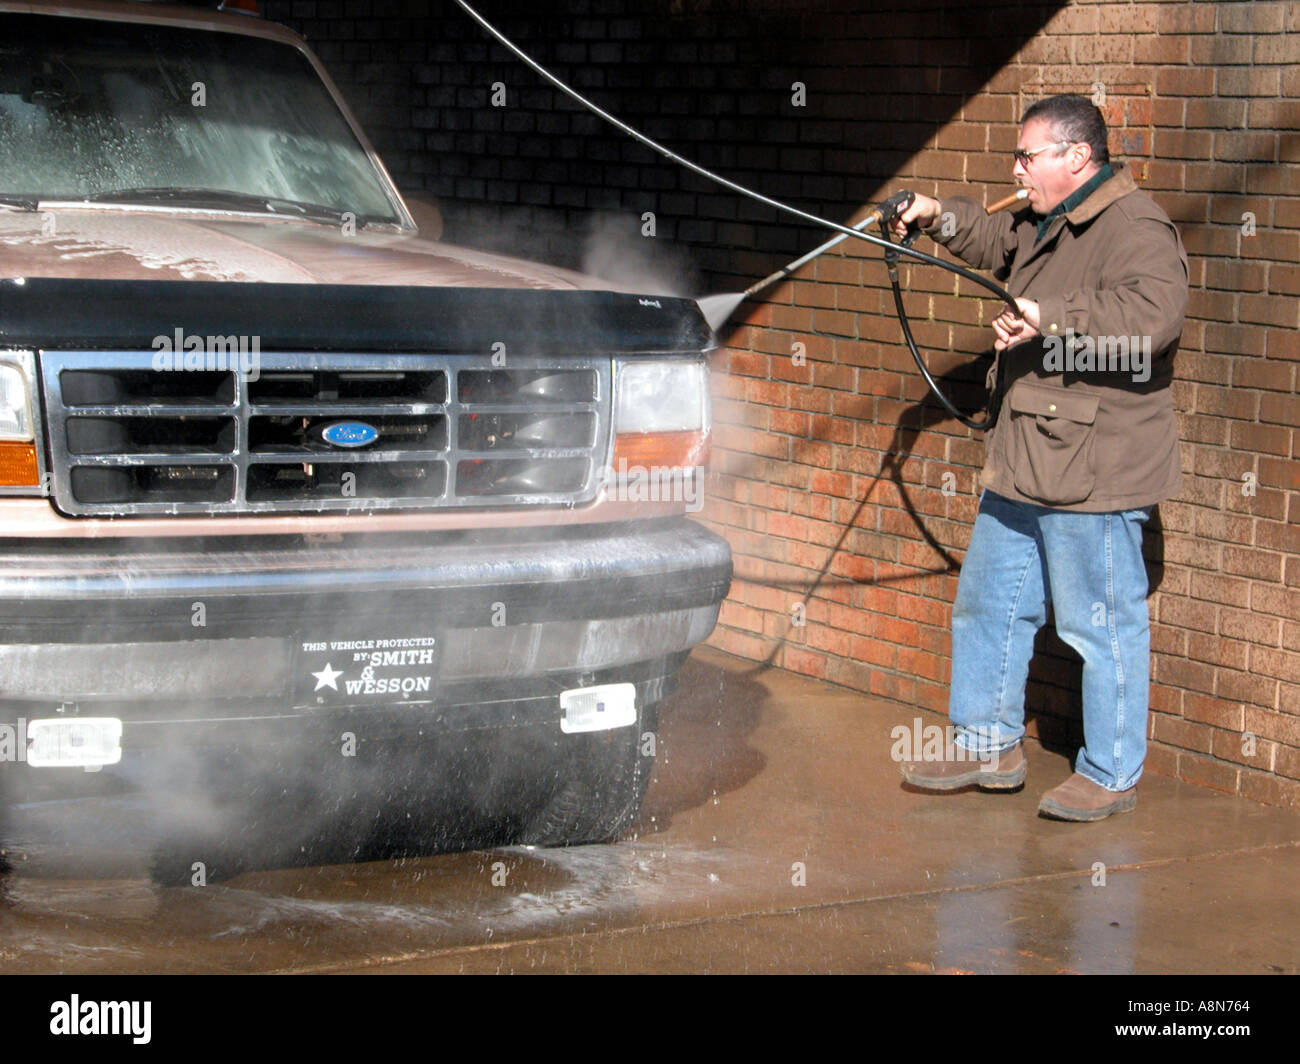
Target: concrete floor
[[776, 837]]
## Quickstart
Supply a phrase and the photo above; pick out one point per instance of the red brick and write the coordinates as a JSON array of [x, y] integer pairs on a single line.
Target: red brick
[[1165, 174], [1269, 180], [851, 674], [1181, 733], [1214, 177], [738, 643], [1161, 50], [1280, 409], [1278, 536], [1288, 763], [1214, 711], [1265, 503], [984, 107], [804, 662], [1286, 214], [1203, 492], [791, 422], [1213, 113], [1277, 49], [1225, 590], [1278, 601], [1208, 772], [1256, 564], [1284, 280], [1243, 687], [813, 399], [1185, 81], [1221, 50], [1280, 727], [1281, 311], [1183, 144], [1218, 241], [1212, 305], [1248, 81], [1281, 664], [1279, 473], [1263, 439], [1226, 402], [1233, 340], [1229, 746], [1270, 790], [1187, 18], [1258, 373], [1245, 146], [1252, 18], [1162, 761], [1190, 675]]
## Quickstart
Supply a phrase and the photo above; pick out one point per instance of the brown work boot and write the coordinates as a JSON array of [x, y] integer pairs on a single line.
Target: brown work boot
[[959, 768], [1078, 798]]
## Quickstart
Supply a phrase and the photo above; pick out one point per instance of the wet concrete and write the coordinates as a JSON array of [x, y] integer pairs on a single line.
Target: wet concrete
[[776, 837]]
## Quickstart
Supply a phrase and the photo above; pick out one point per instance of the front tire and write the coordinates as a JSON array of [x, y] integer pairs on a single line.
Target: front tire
[[604, 780]]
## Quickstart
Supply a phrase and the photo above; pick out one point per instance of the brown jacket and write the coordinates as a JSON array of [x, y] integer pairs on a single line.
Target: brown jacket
[[1087, 420]]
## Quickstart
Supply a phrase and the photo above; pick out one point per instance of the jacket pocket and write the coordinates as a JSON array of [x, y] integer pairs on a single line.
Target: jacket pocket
[[1053, 442]]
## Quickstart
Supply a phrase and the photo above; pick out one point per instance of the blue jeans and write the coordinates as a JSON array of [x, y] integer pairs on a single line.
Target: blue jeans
[[1089, 567]]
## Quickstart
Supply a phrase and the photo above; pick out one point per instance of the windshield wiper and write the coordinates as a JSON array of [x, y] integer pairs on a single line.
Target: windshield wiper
[[22, 203], [220, 197]]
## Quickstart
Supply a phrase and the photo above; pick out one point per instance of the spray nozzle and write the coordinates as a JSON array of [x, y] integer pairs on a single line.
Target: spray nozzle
[[894, 206]]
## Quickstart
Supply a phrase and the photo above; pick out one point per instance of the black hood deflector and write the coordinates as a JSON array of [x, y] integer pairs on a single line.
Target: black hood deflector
[[56, 313]]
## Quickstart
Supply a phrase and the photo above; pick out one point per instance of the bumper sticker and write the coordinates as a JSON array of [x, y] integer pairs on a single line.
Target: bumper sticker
[[365, 671]]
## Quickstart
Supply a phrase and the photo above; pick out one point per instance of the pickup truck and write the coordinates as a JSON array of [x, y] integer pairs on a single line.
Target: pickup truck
[[313, 527]]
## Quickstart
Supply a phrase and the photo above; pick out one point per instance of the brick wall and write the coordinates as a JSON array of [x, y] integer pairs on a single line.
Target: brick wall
[[840, 487]]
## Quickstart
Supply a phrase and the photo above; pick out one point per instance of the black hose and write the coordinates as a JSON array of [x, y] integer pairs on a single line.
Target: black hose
[[892, 249], [995, 397], [921, 256]]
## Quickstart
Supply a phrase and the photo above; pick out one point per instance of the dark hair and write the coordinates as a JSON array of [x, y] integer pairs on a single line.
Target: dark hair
[[1076, 119]]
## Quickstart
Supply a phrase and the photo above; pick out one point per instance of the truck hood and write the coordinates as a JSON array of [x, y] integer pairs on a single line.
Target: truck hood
[[136, 245]]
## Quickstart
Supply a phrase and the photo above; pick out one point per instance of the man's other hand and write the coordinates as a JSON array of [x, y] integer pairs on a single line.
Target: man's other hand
[[1012, 330]]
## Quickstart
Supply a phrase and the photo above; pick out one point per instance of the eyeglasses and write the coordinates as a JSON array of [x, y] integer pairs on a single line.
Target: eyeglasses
[[1023, 157]]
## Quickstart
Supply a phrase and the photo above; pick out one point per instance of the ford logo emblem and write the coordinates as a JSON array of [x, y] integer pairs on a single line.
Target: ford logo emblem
[[349, 434]]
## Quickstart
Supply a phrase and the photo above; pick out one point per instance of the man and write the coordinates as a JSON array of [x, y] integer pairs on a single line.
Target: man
[[1085, 444]]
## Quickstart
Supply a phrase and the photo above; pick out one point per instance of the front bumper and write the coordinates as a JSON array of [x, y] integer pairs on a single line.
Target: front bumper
[[204, 631], [211, 656]]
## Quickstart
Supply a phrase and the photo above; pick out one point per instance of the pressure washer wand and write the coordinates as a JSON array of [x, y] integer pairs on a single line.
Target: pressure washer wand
[[717, 309], [886, 212]]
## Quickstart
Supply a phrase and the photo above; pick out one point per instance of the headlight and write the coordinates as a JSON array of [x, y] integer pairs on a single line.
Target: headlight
[[661, 397], [18, 465], [15, 398], [661, 421]]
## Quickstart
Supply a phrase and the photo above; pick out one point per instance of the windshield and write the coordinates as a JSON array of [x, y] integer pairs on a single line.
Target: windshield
[[92, 109]]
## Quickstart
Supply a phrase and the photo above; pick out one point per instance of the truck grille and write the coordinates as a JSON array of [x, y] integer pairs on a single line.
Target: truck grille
[[323, 433]]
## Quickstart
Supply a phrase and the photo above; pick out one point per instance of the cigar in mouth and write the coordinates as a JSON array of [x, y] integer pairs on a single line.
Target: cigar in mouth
[[1009, 201]]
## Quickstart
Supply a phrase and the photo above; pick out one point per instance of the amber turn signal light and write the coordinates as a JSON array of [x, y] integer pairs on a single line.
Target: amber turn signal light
[[18, 465], [646, 450]]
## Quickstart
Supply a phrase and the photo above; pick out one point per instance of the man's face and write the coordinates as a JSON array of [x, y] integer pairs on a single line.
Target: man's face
[[1049, 176]]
